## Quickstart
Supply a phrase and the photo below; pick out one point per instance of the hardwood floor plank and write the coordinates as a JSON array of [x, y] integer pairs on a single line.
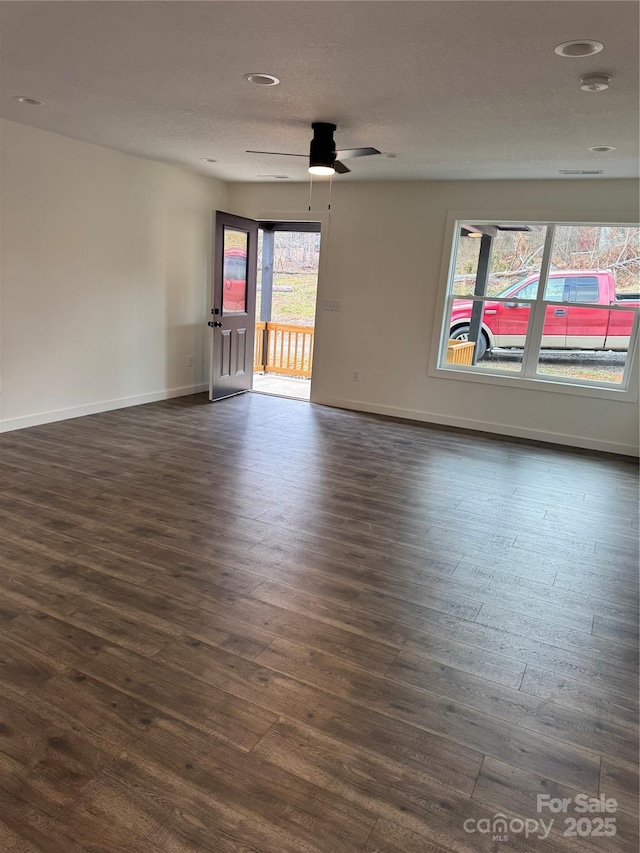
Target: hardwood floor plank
[[180, 818], [514, 706], [212, 710], [11, 842], [373, 601], [620, 632], [162, 617], [432, 587], [135, 565], [41, 831], [620, 781], [616, 708], [565, 638], [286, 811], [390, 837], [53, 759], [621, 608], [406, 798], [450, 764], [441, 716], [507, 788], [23, 669], [522, 649]]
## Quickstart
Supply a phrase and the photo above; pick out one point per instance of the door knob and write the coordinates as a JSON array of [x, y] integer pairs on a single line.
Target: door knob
[[215, 324]]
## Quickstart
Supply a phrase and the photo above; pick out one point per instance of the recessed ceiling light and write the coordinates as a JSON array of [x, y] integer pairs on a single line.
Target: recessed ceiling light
[[389, 156], [24, 99], [581, 171], [277, 177], [208, 160], [595, 83], [578, 48], [601, 149], [261, 79]]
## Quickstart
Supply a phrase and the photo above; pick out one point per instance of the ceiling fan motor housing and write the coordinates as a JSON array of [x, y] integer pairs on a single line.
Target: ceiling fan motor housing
[[323, 148]]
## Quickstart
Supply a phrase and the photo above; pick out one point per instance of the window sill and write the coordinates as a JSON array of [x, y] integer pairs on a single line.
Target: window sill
[[622, 395]]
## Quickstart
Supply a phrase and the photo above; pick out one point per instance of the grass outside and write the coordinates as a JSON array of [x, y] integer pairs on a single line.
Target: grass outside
[[593, 366], [298, 306]]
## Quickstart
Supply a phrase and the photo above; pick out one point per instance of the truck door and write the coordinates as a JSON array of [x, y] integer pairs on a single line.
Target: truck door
[[586, 327], [513, 318], [554, 332]]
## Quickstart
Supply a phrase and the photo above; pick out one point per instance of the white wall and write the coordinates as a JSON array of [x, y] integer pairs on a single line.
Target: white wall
[[105, 277], [105, 288], [383, 260]]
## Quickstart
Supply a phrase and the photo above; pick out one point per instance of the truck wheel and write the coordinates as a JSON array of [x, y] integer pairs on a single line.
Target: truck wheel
[[462, 334]]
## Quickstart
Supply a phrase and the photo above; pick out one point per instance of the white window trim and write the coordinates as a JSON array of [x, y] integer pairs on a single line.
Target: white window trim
[[627, 391]]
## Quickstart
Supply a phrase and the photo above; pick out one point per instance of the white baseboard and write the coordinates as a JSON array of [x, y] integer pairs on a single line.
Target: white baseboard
[[481, 426], [95, 408]]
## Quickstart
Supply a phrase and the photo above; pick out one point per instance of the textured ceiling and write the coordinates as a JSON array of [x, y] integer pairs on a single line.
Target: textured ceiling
[[455, 89]]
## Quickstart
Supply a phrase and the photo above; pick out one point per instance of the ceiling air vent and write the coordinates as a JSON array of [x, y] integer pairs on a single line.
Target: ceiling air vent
[[581, 171]]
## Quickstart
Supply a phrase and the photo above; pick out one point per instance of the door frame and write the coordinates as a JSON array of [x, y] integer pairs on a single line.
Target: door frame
[[324, 218]]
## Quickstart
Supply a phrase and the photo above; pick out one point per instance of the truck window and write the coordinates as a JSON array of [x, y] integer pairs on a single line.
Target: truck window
[[557, 290], [583, 288], [235, 268], [528, 292]]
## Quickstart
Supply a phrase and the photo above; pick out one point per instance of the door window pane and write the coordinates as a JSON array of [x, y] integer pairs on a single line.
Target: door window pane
[[234, 284]]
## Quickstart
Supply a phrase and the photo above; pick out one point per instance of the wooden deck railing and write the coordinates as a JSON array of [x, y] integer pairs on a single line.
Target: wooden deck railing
[[281, 348]]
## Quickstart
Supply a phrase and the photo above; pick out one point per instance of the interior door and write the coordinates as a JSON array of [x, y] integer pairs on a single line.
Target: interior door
[[233, 305]]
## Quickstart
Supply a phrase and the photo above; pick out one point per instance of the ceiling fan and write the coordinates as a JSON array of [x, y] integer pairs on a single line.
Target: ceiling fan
[[324, 159]]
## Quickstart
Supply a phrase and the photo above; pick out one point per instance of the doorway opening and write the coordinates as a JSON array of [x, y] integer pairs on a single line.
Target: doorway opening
[[287, 286]]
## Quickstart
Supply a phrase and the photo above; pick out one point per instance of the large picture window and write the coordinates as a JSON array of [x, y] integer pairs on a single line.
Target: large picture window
[[577, 328]]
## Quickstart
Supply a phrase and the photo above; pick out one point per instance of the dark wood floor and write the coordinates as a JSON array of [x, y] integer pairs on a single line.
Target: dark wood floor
[[263, 626]]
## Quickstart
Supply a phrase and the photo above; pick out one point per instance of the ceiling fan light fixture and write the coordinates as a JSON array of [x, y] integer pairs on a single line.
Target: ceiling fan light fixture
[[318, 169], [322, 152]]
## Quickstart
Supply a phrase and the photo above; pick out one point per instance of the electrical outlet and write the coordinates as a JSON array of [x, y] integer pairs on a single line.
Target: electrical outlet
[[189, 361], [356, 376], [331, 304]]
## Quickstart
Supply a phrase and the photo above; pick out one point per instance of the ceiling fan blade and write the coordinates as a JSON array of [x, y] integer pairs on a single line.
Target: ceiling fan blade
[[340, 168], [277, 153], [345, 153]]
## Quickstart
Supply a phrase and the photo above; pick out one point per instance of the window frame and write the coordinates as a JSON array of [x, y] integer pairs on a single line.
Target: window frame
[[527, 377]]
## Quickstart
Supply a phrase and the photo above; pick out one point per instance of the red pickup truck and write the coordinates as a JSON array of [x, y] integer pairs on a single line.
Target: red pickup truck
[[504, 324], [234, 280]]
